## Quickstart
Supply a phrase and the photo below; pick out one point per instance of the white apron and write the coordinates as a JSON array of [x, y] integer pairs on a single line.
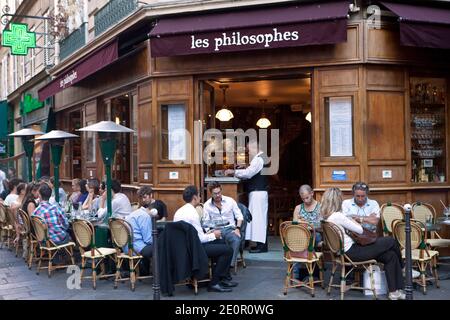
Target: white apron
[[258, 207]]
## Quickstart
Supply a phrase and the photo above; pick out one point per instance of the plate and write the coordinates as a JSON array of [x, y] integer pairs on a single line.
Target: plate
[[446, 221]]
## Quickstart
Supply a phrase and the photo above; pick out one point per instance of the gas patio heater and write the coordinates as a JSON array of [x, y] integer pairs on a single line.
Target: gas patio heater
[[56, 138], [108, 134], [26, 135]]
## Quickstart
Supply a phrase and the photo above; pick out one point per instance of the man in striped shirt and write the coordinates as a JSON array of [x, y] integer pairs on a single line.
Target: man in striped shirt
[[53, 215]]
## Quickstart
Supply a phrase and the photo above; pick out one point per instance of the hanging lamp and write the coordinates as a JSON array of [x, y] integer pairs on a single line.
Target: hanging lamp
[[224, 114], [263, 122]]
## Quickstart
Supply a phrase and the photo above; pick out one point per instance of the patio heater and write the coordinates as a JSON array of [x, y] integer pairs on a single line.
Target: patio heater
[[408, 259], [26, 136], [108, 134], [56, 138]]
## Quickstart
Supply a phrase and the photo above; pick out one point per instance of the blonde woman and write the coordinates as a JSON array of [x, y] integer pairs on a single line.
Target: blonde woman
[[384, 250]]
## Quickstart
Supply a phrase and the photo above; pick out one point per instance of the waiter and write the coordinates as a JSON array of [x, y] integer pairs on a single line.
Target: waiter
[[256, 185]]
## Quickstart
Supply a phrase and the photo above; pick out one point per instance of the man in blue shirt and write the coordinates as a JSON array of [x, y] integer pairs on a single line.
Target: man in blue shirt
[[141, 223]]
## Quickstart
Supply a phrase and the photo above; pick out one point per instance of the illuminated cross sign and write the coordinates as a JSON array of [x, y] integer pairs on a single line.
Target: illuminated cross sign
[[19, 39]]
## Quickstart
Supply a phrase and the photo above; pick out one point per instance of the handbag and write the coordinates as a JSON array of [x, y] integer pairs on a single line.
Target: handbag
[[364, 239]]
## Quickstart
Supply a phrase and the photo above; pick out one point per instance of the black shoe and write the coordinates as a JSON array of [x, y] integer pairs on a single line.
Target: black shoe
[[227, 277], [260, 249], [228, 284], [218, 288]]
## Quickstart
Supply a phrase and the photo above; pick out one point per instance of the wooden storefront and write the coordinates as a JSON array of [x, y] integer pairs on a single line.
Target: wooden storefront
[[371, 67]]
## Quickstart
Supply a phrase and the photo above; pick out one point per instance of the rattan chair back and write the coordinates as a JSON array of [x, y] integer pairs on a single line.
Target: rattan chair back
[[26, 226], [389, 213], [199, 209], [10, 216], [296, 237], [422, 211], [134, 206], [333, 237], [418, 233], [2, 214], [40, 229], [84, 233], [121, 232]]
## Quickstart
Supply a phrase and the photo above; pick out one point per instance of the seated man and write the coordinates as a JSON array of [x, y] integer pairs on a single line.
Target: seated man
[[121, 206], [223, 207], [146, 200], [214, 247], [141, 222], [53, 215], [361, 208]]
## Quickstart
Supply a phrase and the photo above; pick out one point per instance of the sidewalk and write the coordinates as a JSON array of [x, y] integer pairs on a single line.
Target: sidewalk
[[263, 279]]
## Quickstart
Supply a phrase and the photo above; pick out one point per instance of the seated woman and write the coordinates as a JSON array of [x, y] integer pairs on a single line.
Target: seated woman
[[385, 249], [75, 191], [92, 201], [308, 211]]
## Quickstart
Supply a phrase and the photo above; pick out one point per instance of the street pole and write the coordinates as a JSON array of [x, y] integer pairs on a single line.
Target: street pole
[[56, 158], [28, 147], [408, 262], [155, 257], [108, 148]]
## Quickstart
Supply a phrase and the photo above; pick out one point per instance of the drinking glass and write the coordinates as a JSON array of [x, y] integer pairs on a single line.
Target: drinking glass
[[446, 213]]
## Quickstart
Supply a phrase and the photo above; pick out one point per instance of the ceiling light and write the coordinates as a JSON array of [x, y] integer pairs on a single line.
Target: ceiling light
[[308, 117], [263, 122], [224, 114]]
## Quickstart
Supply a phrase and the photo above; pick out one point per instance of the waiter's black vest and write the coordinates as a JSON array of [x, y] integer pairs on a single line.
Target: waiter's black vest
[[258, 182]]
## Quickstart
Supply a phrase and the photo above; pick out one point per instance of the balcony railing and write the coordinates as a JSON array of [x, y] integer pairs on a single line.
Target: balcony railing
[[73, 42], [112, 13]]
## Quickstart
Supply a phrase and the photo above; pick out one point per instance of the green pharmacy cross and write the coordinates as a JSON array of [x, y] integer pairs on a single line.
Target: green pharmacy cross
[[19, 39], [30, 104]]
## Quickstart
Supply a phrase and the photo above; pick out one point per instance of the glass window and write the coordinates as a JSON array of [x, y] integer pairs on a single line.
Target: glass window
[[339, 126], [173, 132], [427, 99], [134, 124]]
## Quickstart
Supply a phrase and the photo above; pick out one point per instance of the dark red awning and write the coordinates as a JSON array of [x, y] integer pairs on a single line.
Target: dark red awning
[[422, 26], [82, 69], [262, 28]]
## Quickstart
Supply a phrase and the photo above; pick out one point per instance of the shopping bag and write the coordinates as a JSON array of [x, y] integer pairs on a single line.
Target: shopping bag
[[379, 278]]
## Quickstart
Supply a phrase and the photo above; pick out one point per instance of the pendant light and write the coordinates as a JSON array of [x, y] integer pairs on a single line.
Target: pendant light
[[263, 122], [224, 114]]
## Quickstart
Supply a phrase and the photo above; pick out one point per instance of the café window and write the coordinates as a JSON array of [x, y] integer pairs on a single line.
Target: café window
[[173, 132], [428, 138], [339, 126]]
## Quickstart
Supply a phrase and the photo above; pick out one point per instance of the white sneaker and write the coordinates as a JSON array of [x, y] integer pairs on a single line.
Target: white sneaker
[[415, 273], [402, 294], [395, 295]]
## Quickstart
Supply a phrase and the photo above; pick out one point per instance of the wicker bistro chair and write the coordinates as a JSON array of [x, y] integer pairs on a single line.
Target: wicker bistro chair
[[420, 255], [47, 245], [389, 213], [13, 222], [84, 233], [32, 243], [298, 245], [334, 239], [6, 229], [122, 235], [422, 211], [134, 206]]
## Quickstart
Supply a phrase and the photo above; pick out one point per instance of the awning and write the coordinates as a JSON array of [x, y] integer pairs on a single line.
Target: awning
[[422, 26], [262, 28], [82, 69]]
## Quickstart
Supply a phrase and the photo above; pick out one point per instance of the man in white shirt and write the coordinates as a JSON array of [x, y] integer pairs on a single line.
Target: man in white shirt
[[361, 208], [258, 198], [220, 207], [121, 206], [214, 247]]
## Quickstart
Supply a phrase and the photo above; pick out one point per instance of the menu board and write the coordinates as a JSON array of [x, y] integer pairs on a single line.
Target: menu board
[[341, 131], [177, 132]]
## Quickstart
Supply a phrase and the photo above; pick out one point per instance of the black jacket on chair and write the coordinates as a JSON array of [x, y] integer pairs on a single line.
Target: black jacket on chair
[[181, 255]]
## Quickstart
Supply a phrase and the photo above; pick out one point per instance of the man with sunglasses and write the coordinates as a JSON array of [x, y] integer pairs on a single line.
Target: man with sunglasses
[[361, 208]]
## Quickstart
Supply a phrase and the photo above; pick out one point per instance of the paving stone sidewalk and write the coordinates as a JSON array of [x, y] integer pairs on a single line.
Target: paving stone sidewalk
[[261, 280]]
